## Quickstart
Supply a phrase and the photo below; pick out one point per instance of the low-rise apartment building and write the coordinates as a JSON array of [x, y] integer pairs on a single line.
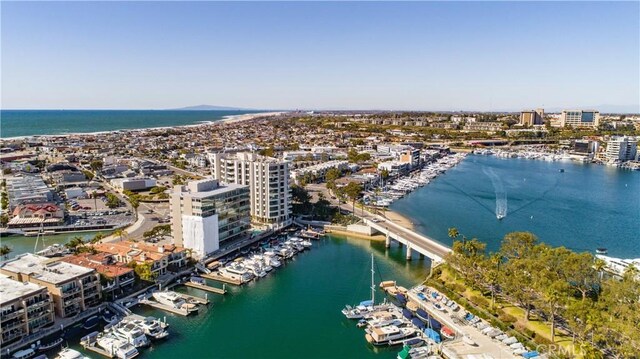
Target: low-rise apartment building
[[24, 309], [73, 288]]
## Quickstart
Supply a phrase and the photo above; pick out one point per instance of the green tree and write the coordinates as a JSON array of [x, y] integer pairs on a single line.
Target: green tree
[[144, 271], [112, 200], [120, 233], [353, 191], [5, 250], [96, 165], [97, 238], [75, 244]]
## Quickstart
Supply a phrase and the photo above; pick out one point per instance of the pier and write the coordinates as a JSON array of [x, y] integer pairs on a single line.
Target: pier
[[222, 279], [206, 288]]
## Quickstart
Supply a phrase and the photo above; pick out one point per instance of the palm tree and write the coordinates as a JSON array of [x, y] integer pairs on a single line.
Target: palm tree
[[599, 265], [453, 233], [97, 238], [4, 251], [121, 233], [75, 243], [631, 272]]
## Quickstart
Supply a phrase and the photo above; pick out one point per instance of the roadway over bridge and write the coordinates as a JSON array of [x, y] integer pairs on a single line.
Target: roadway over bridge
[[413, 241], [424, 245]]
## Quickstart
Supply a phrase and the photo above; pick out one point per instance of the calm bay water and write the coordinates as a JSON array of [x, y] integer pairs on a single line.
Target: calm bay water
[[16, 123], [585, 207], [294, 312]]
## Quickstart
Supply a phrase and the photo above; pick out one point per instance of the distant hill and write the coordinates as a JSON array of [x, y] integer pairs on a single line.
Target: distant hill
[[210, 108]]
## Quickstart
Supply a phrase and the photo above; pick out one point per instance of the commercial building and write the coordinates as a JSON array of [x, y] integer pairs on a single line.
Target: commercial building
[[24, 309], [410, 156], [579, 118], [133, 184], [268, 181], [206, 214], [27, 189], [531, 118], [622, 149], [36, 214], [72, 287], [483, 126]]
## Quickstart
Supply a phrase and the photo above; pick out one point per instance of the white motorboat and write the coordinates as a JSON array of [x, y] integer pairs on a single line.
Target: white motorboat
[[132, 334], [24, 353], [68, 353], [172, 299], [152, 327], [385, 335], [198, 280], [117, 347], [236, 271]]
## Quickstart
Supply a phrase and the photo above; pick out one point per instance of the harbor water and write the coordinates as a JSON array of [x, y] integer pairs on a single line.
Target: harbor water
[[584, 207], [294, 311]]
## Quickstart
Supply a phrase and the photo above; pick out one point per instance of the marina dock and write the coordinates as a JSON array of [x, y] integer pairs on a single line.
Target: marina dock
[[206, 288], [199, 300], [222, 279], [167, 308]]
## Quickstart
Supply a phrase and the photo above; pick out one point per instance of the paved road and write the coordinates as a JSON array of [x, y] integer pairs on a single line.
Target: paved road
[[385, 224]]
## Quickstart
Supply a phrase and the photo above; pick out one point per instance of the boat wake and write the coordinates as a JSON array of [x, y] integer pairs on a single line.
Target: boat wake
[[501, 193]]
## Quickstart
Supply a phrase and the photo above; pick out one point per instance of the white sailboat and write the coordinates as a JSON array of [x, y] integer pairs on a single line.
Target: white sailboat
[[366, 306]]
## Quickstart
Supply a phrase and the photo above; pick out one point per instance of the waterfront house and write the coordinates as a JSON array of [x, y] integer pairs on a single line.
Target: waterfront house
[[115, 277], [73, 288]]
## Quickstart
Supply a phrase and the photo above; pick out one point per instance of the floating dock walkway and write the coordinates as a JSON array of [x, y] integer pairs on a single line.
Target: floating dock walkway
[[206, 288], [199, 300], [167, 308], [222, 279]]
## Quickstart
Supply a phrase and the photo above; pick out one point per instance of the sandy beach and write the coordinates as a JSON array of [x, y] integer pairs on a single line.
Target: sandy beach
[[225, 120], [399, 219]]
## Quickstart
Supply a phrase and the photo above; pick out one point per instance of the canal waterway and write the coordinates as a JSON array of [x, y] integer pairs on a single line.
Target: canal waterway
[[293, 312], [565, 203]]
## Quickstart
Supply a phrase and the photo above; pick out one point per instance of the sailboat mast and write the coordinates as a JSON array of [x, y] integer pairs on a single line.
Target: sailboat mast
[[373, 285]]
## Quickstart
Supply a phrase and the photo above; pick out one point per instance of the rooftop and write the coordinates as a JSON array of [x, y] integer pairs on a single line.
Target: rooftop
[[220, 190], [12, 289], [44, 269]]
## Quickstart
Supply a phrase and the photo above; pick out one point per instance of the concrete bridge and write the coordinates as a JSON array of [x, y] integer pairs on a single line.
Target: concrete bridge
[[411, 240]]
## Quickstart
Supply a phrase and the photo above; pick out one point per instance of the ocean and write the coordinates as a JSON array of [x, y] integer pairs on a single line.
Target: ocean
[[19, 123], [585, 207]]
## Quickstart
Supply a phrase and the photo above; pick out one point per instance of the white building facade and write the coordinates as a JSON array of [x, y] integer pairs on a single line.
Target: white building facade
[[622, 149], [206, 215], [268, 181]]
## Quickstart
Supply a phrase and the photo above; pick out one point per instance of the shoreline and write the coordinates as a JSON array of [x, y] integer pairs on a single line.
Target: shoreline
[[224, 120], [399, 219]]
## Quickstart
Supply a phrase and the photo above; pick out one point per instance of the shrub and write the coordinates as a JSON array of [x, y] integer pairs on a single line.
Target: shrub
[[507, 318]]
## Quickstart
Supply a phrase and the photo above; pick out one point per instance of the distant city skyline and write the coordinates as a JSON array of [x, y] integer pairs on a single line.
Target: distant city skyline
[[440, 56]]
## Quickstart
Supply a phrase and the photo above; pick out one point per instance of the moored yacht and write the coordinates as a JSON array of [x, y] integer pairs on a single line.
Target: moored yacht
[[152, 327], [172, 299], [117, 347], [388, 334], [132, 334]]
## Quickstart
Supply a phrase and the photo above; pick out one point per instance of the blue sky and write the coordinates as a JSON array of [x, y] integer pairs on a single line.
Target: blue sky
[[358, 55]]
